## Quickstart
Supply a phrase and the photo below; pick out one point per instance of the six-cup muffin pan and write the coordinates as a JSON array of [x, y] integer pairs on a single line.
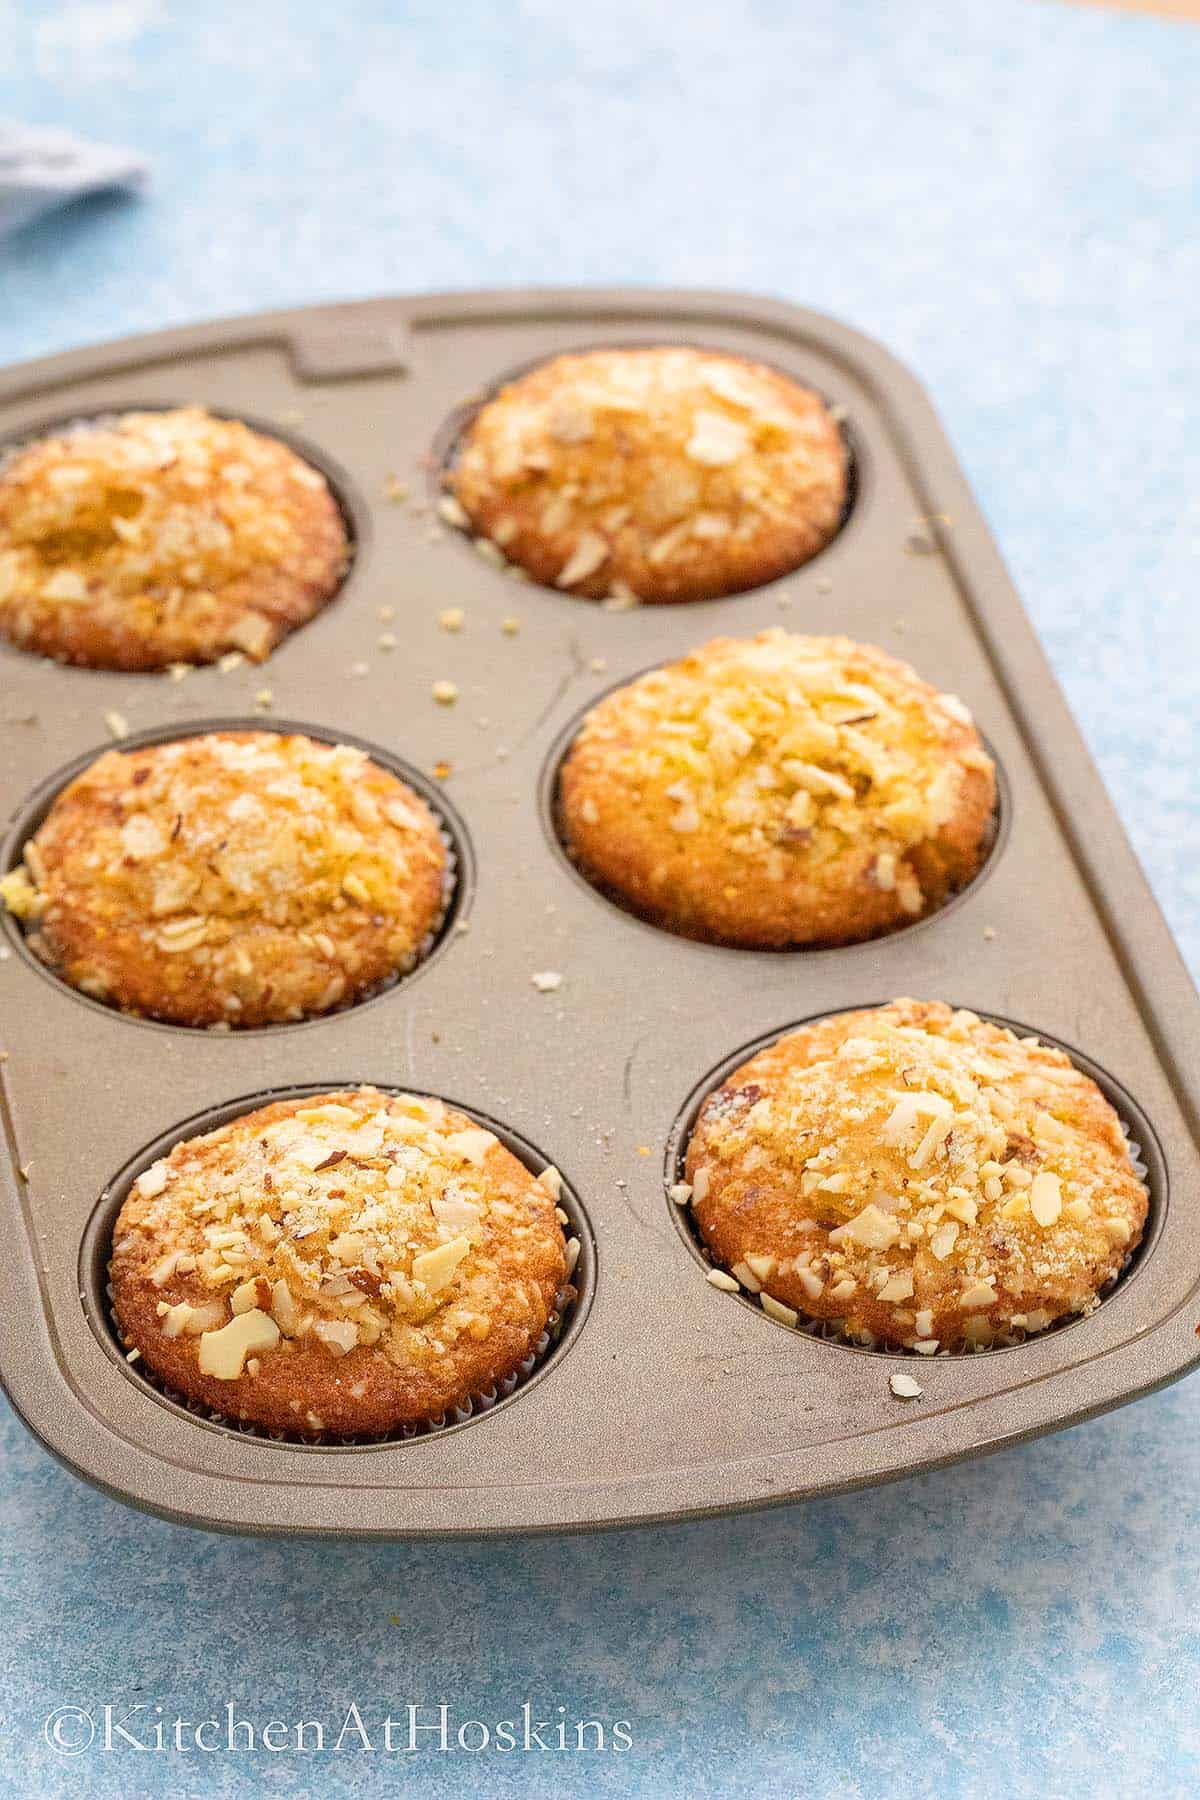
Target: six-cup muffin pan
[[662, 1396]]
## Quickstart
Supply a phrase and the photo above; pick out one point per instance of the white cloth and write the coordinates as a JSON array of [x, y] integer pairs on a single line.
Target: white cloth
[[40, 169]]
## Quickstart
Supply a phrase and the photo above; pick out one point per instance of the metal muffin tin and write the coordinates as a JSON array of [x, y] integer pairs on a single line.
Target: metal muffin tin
[[665, 1398]]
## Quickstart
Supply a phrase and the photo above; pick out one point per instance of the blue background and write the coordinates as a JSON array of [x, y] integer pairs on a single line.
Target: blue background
[[1005, 194]]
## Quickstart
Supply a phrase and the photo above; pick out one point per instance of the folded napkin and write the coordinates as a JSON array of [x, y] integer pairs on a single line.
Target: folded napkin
[[40, 169]]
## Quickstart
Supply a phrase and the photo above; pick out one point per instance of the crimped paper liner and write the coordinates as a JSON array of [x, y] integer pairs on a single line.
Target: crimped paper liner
[[473, 1408], [828, 1333], [411, 964]]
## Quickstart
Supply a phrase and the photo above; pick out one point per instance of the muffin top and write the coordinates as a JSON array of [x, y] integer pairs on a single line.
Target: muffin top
[[916, 1174], [241, 878], [348, 1264], [150, 538], [662, 474], [779, 790]]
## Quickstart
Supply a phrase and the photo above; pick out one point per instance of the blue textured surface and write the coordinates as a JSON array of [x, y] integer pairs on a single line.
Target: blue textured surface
[[1003, 194]]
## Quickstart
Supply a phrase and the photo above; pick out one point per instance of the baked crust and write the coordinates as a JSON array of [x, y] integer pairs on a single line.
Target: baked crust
[[240, 878], [337, 1198], [163, 537], [916, 1174], [779, 790], [667, 474]]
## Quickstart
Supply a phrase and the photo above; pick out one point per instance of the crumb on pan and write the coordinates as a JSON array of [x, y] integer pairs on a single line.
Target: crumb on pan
[[657, 474], [779, 790], [151, 538], [347, 1264], [917, 1177], [238, 878]]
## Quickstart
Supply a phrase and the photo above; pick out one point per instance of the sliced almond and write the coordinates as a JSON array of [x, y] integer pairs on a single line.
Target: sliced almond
[[590, 553], [435, 1267], [943, 1240], [873, 1228], [775, 1309], [153, 1180], [223, 1353], [905, 1387], [1045, 1198]]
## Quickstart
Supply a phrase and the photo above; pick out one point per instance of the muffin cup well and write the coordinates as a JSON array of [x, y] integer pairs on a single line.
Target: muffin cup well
[[1145, 1154], [571, 1305], [448, 441], [994, 846], [351, 504], [458, 883]]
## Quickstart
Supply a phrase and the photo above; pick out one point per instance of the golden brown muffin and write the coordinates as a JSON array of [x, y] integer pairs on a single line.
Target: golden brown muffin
[[243, 878], [160, 537], [917, 1175], [348, 1264], [661, 474], [779, 790]]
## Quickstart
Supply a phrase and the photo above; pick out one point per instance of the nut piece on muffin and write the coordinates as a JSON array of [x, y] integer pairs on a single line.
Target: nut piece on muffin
[[240, 878], [660, 474], [779, 790], [915, 1177], [152, 538], [347, 1265]]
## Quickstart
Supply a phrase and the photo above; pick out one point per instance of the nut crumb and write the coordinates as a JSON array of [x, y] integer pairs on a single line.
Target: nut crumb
[[117, 724], [444, 692], [387, 640], [233, 659], [547, 981], [510, 625], [394, 489], [905, 1387], [453, 619], [449, 509], [264, 699]]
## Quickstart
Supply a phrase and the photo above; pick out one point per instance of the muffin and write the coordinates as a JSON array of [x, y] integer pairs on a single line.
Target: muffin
[[350, 1264], [660, 474], [916, 1177], [152, 538], [241, 878], [779, 790]]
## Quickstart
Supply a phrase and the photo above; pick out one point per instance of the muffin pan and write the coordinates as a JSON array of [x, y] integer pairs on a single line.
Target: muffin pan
[[664, 1398]]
